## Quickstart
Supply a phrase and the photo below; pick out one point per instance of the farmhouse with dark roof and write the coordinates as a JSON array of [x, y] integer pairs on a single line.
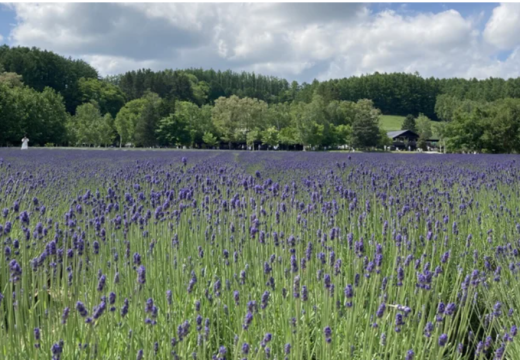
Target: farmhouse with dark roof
[[403, 139]]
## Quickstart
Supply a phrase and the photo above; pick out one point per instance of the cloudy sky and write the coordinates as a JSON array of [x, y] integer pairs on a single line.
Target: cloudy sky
[[296, 41]]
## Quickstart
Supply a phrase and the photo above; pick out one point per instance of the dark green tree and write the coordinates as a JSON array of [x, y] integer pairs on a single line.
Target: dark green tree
[[40, 69], [409, 123], [365, 128], [109, 98], [146, 126]]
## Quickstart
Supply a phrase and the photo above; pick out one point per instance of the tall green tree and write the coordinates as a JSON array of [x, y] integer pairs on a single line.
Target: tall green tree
[[147, 121], [502, 126], [196, 120], [424, 127], [89, 127], [287, 136], [270, 136], [210, 139], [409, 123], [465, 131], [365, 127], [126, 120], [40, 115], [308, 130], [234, 118], [11, 79], [110, 98], [173, 130]]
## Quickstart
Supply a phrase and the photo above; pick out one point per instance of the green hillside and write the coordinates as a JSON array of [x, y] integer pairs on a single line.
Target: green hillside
[[391, 122]]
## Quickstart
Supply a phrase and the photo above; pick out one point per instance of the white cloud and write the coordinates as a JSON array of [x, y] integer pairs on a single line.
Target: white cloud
[[297, 41], [503, 28], [388, 42], [107, 64], [1, 38]]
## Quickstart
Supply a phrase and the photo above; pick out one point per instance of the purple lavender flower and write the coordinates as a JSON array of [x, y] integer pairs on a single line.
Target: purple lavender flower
[[349, 293], [443, 339], [222, 352], [24, 218], [65, 315], [141, 275], [480, 349], [296, 287], [37, 334], [101, 283], [216, 287], [192, 283], [409, 355], [294, 264], [488, 343], [400, 276], [81, 309], [428, 329], [265, 299], [98, 310], [251, 306], [399, 319], [245, 348], [450, 309], [327, 331], [16, 270], [137, 259], [304, 293], [497, 309], [441, 308], [112, 298], [149, 306], [124, 308], [381, 310], [499, 353], [247, 320], [56, 350]]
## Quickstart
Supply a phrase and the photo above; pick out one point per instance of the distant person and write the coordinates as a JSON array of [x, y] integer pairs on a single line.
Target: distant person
[[25, 143]]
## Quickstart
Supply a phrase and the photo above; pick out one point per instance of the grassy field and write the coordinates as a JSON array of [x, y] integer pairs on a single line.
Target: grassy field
[[391, 122]]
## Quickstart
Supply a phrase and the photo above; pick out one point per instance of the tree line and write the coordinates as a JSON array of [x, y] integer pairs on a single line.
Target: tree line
[[482, 126], [64, 102]]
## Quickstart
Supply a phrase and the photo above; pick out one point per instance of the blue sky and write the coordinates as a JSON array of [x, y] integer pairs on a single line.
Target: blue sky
[[465, 9], [296, 41], [7, 19]]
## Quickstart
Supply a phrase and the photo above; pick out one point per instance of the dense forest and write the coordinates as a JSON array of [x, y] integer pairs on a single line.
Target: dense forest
[[60, 101]]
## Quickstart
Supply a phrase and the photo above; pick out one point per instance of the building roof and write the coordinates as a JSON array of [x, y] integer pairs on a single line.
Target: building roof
[[394, 134]]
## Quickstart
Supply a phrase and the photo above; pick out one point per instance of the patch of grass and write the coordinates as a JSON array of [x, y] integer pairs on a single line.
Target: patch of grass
[[391, 122]]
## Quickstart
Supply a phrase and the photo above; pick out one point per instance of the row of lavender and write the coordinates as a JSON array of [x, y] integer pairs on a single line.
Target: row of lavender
[[159, 254]]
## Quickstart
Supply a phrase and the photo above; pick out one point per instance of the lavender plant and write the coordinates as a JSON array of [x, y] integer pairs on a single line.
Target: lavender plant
[[229, 255]]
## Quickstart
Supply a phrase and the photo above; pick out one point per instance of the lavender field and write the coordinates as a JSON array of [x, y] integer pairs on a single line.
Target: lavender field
[[265, 255]]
